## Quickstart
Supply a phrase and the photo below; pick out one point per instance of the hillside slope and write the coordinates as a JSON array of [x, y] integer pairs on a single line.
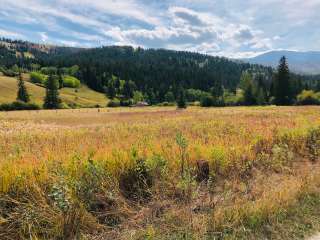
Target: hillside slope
[[83, 97]]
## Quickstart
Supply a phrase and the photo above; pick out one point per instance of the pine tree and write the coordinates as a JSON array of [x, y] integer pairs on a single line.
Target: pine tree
[[111, 91], [117, 84], [318, 86], [22, 94], [249, 98], [128, 89], [169, 97], [60, 81], [217, 90], [217, 93], [151, 97], [52, 100], [261, 97], [282, 86], [181, 100], [246, 84]]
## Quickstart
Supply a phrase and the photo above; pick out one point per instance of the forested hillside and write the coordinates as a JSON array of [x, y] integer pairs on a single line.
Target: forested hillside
[[151, 75], [154, 70]]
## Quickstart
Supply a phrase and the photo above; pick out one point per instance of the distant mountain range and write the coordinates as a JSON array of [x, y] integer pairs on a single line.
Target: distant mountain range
[[299, 62]]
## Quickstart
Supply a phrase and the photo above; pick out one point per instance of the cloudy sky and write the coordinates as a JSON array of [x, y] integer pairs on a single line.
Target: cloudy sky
[[232, 28]]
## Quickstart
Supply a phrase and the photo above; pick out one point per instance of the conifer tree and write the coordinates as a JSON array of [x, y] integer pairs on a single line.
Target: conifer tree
[[181, 100], [111, 91], [246, 85], [128, 89], [217, 93], [282, 86], [22, 94], [217, 90], [52, 100], [318, 86], [249, 98], [60, 81]]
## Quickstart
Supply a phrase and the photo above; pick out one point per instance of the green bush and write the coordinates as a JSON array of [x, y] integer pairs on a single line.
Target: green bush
[[207, 101], [308, 98], [113, 103], [233, 99], [313, 143], [37, 77], [126, 103], [194, 95], [166, 104], [9, 73], [18, 106], [71, 82], [49, 70]]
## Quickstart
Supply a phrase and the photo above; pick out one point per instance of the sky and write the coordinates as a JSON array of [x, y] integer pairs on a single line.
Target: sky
[[230, 28]]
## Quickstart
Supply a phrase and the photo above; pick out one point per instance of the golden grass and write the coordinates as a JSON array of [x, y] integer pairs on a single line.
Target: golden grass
[[258, 159], [83, 97]]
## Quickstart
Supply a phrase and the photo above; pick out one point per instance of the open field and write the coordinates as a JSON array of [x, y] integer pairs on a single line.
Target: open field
[[83, 97], [131, 173]]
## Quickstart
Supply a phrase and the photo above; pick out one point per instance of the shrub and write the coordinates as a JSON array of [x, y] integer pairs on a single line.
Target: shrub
[[49, 70], [166, 104], [37, 77], [126, 103], [194, 104], [308, 98], [313, 143], [9, 72], [193, 95], [114, 103], [136, 182], [169, 97], [71, 82], [231, 99], [207, 101], [18, 106]]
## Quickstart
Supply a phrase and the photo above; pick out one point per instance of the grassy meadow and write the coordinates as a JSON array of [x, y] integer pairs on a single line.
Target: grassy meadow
[[82, 97], [132, 173]]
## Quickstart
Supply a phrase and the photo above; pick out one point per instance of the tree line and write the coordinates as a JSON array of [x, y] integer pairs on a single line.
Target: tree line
[[128, 75]]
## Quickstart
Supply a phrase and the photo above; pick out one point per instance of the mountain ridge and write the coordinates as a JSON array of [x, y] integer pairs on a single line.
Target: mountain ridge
[[303, 62]]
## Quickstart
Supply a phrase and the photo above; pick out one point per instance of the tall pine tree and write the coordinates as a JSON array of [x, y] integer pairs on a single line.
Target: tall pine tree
[[217, 93], [111, 90], [246, 84], [52, 100], [181, 98], [282, 89], [22, 94], [128, 89]]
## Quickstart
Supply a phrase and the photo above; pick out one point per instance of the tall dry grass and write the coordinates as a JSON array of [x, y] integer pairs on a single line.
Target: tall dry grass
[[117, 173]]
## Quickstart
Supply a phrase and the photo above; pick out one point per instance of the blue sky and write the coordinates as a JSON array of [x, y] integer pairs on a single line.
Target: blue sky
[[231, 28]]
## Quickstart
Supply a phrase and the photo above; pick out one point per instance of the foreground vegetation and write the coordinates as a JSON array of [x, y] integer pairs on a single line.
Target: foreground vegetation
[[142, 173]]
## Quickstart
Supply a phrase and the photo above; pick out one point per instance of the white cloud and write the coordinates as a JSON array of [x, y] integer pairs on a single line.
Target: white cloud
[[44, 36], [69, 43], [6, 33], [209, 26]]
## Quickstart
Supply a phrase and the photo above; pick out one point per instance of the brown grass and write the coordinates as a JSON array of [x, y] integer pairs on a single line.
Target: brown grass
[[259, 168]]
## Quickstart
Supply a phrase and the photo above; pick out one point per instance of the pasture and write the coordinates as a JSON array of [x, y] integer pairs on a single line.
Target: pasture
[[133, 173], [81, 97]]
